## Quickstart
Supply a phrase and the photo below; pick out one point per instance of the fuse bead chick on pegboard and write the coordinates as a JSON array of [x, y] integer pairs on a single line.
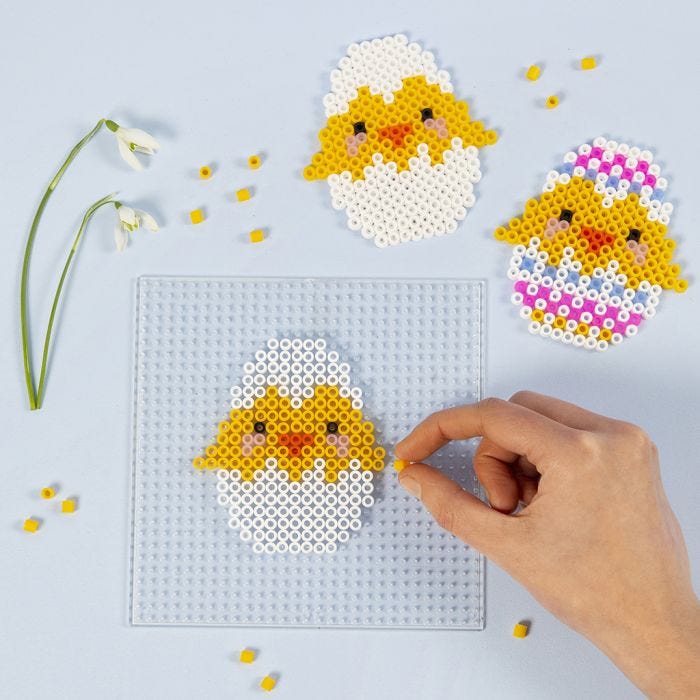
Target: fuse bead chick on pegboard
[[399, 151], [296, 458], [592, 254]]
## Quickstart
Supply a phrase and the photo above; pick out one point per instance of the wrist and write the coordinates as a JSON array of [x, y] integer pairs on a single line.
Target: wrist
[[660, 653]]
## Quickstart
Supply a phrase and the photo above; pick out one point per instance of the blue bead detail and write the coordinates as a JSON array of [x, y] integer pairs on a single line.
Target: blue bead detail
[[617, 291], [658, 194], [550, 271], [596, 283], [640, 298], [612, 181], [573, 277], [591, 173], [635, 187], [527, 264], [567, 168]]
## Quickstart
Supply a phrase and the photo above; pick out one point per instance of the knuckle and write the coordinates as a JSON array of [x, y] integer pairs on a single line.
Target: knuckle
[[587, 444], [490, 405], [634, 437], [521, 397]]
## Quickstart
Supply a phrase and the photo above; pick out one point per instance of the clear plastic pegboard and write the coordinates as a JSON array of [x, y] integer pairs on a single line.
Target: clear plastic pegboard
[[413, 346]]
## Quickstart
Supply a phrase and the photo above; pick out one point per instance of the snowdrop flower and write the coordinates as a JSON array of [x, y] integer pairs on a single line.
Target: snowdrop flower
[[130, 140], [129, 220]]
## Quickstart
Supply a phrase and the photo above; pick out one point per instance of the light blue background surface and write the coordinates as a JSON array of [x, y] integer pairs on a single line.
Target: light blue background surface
[[216, 82]]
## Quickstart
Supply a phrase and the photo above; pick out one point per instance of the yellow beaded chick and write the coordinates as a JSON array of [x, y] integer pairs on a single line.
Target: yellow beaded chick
[[399, 151], [592, 254], [296, 458]]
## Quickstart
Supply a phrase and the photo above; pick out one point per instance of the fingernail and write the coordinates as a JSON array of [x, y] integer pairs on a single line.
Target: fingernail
[[411, 485]]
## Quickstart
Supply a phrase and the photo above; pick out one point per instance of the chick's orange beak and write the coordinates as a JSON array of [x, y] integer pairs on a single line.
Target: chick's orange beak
[[596, 239], [396, 133], [295, 441]]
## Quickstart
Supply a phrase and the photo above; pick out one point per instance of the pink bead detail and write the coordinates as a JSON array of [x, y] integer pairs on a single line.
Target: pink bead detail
[[650, 180], [597, 152], [627, 174], [619, 159], [643, 166], [582, 160], [605, 167]]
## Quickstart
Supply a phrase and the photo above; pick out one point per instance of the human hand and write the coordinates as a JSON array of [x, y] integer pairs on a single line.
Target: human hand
[[596, 541]]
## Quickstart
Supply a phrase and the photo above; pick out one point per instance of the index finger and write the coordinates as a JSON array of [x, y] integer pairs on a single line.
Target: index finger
[[512, 426]]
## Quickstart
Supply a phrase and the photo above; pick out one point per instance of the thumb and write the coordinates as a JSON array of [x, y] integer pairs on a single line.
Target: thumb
[[460, 512]]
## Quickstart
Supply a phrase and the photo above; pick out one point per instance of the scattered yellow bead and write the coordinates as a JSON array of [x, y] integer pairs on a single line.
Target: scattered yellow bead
[[68, 506], [254, 162], [588, 63], [552, 102], [257, 236], [243, 195], [520, 630], [533, 72], [31, 525], [400, 464], [47, 493], [268, 683], [197, 216], [247, 656], [205, 172]]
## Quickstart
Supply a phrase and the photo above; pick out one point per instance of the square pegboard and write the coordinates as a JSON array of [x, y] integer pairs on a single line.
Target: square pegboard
[[413, 346]]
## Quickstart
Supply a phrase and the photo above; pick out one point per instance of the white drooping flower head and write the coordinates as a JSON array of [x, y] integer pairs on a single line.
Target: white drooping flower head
[[131, 219], [132, 140]]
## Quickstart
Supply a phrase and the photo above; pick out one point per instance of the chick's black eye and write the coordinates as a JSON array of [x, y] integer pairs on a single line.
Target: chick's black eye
[[566, 215], [332, 427], [259, 427], [426, 113], [634, 235], [359, 128]]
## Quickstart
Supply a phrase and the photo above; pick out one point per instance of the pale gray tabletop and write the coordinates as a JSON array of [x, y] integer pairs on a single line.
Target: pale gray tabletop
[[216, 82]]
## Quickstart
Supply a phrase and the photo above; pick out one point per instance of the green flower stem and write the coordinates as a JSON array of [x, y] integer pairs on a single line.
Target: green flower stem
[[49, 328], [29, 380]]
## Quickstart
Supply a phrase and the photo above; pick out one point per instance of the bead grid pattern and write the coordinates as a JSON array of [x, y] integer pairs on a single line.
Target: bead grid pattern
[[592, 255], [412, 346], [296, 460], [399, 151]]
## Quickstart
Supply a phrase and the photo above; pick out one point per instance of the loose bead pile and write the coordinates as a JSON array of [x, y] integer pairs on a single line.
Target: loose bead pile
[[295, 459], [399, 152], [592, 255]]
